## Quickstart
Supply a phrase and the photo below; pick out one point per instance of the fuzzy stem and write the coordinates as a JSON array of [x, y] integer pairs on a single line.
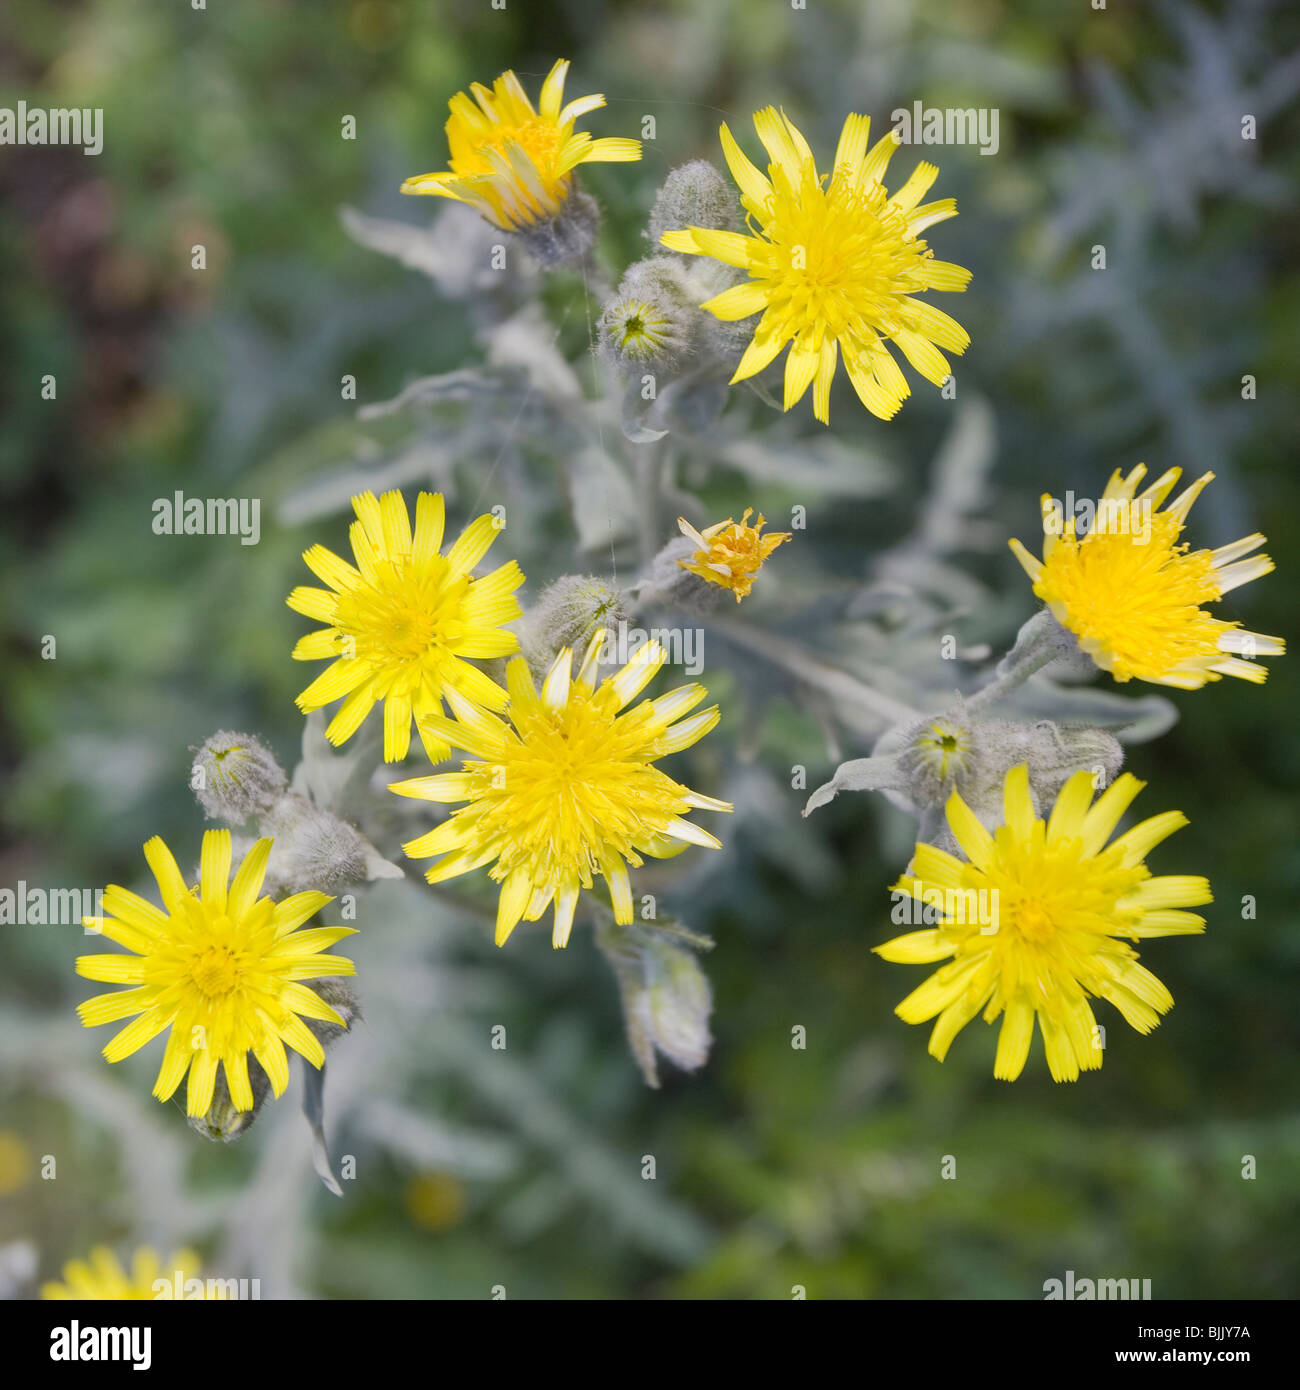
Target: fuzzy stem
[[1034, 649]]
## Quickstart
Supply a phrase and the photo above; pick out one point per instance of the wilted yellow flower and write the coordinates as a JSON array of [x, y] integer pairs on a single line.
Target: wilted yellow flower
[[730, 553], [102, 1276], [217, 965], [512, 164], [568, 789], [1034, 923], [405, 621], [834, 266], [1132, 594]]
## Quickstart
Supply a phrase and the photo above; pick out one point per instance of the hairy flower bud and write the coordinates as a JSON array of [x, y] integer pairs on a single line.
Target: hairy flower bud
[[919, 765], [939, 756], [666, 996], [568, 613], [694, 195], [314, 850], [235, 776], [1055, 752], [653, 321]]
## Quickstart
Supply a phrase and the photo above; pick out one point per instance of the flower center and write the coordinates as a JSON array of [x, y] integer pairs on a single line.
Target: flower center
[[540, 140], [217, 971], [841, 257], [576, 783], [1032, 922], [404, 615], [1139, 602]]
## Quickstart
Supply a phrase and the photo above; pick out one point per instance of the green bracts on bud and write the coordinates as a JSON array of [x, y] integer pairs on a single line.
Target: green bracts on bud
[[235, 776]]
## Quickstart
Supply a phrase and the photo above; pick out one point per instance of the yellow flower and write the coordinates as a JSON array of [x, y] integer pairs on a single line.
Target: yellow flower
[[1034, 920], [1132, 594], [405, 622], [217, 965], [512, 164], [568, 789], [102, 1276], [730, 553], [834, 266]]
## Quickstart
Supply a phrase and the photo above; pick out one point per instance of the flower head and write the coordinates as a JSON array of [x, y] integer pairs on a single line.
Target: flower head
[[217, 965], [834, 266], [514, 164], [730, 553], [405, 621], [1035, 923], [1132, 594], [101, 1276], [568, 789]]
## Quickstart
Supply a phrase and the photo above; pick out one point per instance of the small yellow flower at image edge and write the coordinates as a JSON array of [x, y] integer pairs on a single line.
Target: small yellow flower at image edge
[[566, 790], [101, 1277], [512, 163], [835, 266], [405, 622], [217, 965], [730, 553], [1059, 902], [1132, 593]]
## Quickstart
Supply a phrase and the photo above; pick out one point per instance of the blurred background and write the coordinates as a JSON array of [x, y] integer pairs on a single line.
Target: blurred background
[[776, 1167]]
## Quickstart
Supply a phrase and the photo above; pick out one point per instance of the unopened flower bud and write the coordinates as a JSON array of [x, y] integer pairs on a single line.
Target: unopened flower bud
[[569, 613], [937, 757], [694, 195], [315, 851], [1055, 752], [666, 996], [653, 320], [919, 765], [235, 777], [1051, 753]]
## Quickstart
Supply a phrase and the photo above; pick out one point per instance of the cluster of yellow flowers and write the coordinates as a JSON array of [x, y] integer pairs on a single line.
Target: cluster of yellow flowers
[[561, 787], [834, 264], [1067, 902], [561, 784]]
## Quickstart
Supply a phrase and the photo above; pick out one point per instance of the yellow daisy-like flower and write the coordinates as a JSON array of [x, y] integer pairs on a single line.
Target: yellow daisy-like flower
[[730, 553], [1034, 923], [406, 620], [568, 789], [217, 965], [101, 1276], [1132, 594], [834, 266], [515, 165]]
